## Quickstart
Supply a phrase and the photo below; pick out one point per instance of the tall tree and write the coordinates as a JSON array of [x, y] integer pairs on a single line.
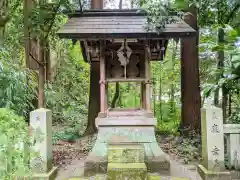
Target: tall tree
[[190, 82], [7, 9], [3, 19], [94, 96]]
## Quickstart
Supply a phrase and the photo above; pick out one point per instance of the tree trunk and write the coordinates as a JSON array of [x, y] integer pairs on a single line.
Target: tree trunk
[[154, 97], [3, 20], [220, 67], [94, 98], [116, 96], [41, 76], [220, 64], [2, 30], [190, 83], [229, 104], [160, 93], [172, 96]]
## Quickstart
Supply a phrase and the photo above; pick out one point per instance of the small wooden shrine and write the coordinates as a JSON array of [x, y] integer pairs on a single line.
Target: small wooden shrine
[[119, 40]]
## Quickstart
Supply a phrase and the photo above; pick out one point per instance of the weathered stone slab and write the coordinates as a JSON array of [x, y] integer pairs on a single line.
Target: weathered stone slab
[[41, 127], [233, 151], [126, 121], [212, 139], [213, 175], [128, 134], [126, 153], [231, 128], [130, 171], [51, 175]]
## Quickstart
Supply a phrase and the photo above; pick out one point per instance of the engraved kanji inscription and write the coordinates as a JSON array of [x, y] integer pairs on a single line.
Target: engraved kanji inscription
[[215, 129], [215, 151], [216, 161], [38, 118], [214, 116]]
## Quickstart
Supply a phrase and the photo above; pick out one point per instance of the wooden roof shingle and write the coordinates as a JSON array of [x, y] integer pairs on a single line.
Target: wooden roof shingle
[[109, 24]]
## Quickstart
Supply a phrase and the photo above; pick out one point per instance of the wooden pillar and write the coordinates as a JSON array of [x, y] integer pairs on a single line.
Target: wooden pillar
[[147, 81], [97, 4], [190, 84], [106, 94], [102, 78], [41, 74], [143, 96]]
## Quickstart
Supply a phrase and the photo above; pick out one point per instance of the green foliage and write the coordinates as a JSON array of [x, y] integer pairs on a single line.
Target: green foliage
[[158, 14], [69, 135], [189, 148], [168, 118], [231, 71], [44, 15], [129, 95], [67, 95], [16, 91], [13, 157]]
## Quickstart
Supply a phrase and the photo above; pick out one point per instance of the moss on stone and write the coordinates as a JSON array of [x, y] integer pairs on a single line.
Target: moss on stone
[[179, 178], [126, 154], [153, 177]]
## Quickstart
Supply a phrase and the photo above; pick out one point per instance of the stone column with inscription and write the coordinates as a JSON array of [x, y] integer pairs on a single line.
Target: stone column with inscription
[[41, 127], [212, 166]]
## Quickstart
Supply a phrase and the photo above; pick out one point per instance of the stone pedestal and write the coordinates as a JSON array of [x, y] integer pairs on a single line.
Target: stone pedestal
[[133, 129], [41, 127], [212, 144]]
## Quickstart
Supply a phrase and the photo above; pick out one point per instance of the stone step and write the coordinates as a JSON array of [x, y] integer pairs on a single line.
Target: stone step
[[126, 153], [149, 177], [129, 171], [96, 177]]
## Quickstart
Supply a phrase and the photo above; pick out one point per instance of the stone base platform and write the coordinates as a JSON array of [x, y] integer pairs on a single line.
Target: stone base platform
[[51, 175], [126, 127], [211, 175], [150, 177]]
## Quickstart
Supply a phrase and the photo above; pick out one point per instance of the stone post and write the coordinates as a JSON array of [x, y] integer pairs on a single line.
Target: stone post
[[41, 127], [212, 166], [232, 132]]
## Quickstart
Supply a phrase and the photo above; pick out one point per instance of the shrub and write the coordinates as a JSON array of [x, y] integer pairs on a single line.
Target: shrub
[[13, 134], [16, 91], [168, 117]]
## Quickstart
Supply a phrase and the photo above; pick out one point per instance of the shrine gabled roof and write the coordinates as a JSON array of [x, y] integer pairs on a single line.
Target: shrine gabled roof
[[109, 24]]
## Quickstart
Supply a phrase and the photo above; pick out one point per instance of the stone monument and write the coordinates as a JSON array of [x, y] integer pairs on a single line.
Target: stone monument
[[212, 166], [41, 126]]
